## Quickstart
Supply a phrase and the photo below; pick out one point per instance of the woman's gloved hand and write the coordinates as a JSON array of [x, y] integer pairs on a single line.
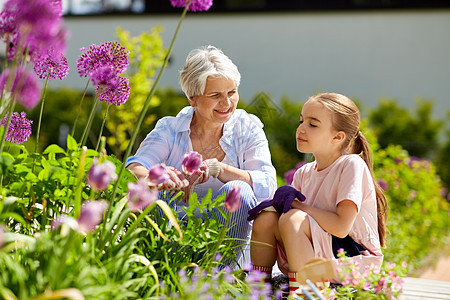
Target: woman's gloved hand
[[282, 201]]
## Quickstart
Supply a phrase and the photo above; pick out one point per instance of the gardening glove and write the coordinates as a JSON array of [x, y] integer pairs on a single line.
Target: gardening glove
[[200, 176], [282, 201]]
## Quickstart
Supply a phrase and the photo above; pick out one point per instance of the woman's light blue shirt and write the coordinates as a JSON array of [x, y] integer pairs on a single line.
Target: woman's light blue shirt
[[244, 143]]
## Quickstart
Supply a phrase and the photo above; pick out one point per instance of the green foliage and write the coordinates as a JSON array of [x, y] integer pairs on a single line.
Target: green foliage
[[280, 124], [418, 133], [146, 56], [418, 219]]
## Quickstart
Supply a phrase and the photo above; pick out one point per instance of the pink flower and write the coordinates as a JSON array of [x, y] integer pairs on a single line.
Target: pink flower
[[19, 129], [116, 92], [233, 199], [25, 87], [196, 5], [191, 162], [64, 219], [100, 175], [158, 175], [51, 64], [139, 195], [91, 215]]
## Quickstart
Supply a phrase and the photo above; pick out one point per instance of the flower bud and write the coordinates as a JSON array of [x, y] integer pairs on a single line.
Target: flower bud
[[140, 196], [233, 199], [91, 215], [191, 162], [158, 175], [100, 175]]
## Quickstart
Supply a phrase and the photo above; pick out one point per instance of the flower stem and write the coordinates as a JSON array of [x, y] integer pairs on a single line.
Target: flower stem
[[103, 125], [11, 110], [79, 109], [89, 123], [148, 99], [40, 114]]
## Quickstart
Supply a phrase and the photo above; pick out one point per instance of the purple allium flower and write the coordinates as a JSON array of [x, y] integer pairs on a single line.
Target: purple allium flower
[[115, 95], [36, 23], [233, 199], [105, 75], [19, 129], [64, 219], [25, 87], [109, 53], [196, 5], [100, 175], [51, 64], [192, 161], [7, 23], [383, 184], [139, 195], [91, 215], [158, 175]]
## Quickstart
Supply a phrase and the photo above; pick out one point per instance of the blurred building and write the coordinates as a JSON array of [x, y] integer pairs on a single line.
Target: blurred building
[[365, 49]]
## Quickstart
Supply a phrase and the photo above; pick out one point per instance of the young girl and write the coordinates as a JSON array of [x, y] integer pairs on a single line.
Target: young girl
[[344, 206]]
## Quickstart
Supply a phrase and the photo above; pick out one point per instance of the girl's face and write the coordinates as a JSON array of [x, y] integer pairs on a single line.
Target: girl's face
[[315, 134], [218, 102]]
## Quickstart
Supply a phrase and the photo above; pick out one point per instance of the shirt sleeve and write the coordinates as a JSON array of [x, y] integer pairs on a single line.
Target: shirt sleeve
[[258, 163], [155, 148], [355, 177]]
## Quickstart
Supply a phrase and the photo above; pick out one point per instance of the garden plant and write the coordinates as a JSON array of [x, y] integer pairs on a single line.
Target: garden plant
[[76, 224]]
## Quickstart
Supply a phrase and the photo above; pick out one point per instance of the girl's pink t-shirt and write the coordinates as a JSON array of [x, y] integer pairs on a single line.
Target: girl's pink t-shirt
[[346, 178]]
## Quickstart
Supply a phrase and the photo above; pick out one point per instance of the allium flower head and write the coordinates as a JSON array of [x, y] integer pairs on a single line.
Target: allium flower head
[[140, 196], [7, 22], [19, 129], [51, 64], [158, 175], [91, 215], [100, 175], [109, 53], [233, 199], [25, 88], [196, 5], [36, 23], [115, 94], [104, 75], [192, 161]]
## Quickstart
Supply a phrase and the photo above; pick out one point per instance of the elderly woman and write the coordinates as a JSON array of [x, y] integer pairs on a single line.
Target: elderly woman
[[231, 141]]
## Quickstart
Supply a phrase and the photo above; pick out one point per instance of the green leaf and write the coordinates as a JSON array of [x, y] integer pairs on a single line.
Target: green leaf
[[53, 149], [71, 143]]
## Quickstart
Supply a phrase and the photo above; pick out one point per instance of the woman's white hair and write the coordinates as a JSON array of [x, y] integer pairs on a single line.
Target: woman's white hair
[[204, 62]]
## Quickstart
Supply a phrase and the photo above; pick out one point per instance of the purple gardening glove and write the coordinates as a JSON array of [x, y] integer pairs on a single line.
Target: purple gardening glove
[[282, 201]]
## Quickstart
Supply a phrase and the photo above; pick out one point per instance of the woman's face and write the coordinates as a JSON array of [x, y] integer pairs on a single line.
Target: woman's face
[[218, 102]]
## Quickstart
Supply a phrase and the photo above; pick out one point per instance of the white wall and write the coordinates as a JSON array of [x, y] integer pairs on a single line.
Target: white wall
[[366, 55]]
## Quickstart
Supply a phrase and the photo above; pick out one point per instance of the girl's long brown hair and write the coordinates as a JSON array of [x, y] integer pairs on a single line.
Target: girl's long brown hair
[[346, 118]]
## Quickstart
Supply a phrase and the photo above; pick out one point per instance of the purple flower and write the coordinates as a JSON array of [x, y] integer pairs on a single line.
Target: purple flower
[[51, 64], [196, 5], [19, 129], [36, 24], [383, 184], [91, 215], [25, 88], [104, 75], [117, 94], [289, 176], [233, 199], [64, 219], [139, 195], [158, 175], [192, 161], [7, 23], [100, 175], [109, 53]]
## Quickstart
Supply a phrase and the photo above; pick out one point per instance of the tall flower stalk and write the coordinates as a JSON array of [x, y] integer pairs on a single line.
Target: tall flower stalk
[[149, 97]]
